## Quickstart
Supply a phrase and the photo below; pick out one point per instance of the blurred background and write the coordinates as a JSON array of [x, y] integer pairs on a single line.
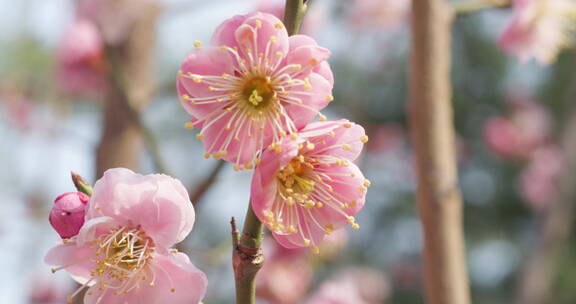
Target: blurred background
[[59, 103]]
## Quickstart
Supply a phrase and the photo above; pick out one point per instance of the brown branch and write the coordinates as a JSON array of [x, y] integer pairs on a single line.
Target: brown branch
[[430, 111], [129, 89]]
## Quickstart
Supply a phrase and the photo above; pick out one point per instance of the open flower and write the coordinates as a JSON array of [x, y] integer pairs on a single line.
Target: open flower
[[122, 252], [308, 186], [81, 64], [539, 29], [253, 86]]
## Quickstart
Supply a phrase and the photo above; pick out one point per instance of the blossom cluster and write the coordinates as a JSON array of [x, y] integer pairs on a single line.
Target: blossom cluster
[[254, 93]]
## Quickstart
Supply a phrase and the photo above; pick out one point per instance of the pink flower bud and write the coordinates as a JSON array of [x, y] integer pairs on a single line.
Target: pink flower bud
[[67, 215]]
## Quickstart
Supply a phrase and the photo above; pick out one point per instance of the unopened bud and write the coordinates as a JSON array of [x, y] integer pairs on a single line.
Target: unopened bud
[[67, 214]]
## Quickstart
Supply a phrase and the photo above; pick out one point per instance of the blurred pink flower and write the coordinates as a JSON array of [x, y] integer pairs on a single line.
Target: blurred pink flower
[[122, 253], [539, 29], [333, 244], [46, 290], [81, 66], [353, 286], [18, 107], [253, 86], [379, 14], [538, 181], [67, 214], [287, 275], [114, 18], [517, 136], [386, 137], [307, 186]]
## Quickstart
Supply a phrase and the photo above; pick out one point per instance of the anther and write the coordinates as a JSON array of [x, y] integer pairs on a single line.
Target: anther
[[197, 44]]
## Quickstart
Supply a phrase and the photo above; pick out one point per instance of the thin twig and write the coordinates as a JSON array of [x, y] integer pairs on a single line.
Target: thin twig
[[150, 141], [202, 187], [294, 13], [467, 7], [432, 130]]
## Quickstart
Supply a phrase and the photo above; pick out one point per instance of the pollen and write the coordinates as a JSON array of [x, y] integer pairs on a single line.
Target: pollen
[[197, 44], [329, 98], [364, 139], [200, 136]]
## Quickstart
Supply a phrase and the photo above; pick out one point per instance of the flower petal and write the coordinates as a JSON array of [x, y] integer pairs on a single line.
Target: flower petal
[[264, 34], [304, 103], [203, 61], [263, 189], [157, 203], [346, 141], [74, 259]]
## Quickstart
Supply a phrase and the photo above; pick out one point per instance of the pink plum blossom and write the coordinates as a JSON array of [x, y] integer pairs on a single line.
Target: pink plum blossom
[[353, 286], [308, 186], [287, 275], [538, 182], [80, 59], [253, 86], [539, 29], [122, 252], [67, 214], [528, 126]]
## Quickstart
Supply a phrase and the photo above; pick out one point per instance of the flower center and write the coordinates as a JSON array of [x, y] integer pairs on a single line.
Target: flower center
[[258, 92], [122, 253], [296, 182]]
